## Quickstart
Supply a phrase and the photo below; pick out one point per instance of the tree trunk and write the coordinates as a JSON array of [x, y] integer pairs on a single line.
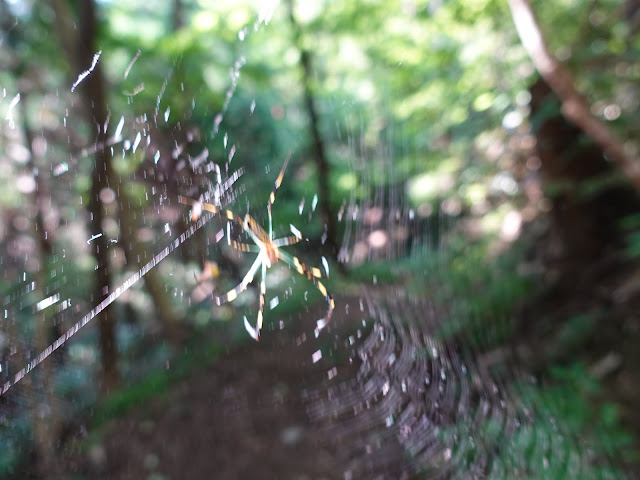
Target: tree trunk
[[94, 92], [46, 419], [574, 106], [319, 151], [80, 50], [177, 15], [588, 201]]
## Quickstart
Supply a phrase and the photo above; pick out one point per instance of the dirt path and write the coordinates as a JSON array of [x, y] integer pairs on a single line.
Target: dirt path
[[243, 417]]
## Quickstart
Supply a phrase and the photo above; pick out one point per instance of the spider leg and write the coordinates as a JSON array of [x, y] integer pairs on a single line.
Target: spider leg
[[242, 286], [197, 208], [272, 196], [263, 293], [255, 231], [243, 247], [312, 274], [278, 182], [300, 267], [255, 334], [255, 331], [284, 241], [209, 207], [289, 240]]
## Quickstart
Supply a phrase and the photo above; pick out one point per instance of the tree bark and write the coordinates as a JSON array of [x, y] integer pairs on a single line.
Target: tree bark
[[177, 15], [589, 196], [94, 93], [80, 50], [319, 152], [45, 408], [574, 106]]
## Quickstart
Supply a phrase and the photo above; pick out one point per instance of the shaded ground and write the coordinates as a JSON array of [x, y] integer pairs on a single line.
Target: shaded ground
[[246, 415], [590, 314], [243, 417]]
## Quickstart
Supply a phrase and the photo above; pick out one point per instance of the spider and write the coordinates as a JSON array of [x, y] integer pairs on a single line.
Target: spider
[[269, 251]]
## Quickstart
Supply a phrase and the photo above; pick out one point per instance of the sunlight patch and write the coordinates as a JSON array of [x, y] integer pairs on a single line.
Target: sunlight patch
[[428, 186], [347, 181]]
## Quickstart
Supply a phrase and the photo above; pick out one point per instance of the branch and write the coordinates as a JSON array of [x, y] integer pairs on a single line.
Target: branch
[[574, 106]]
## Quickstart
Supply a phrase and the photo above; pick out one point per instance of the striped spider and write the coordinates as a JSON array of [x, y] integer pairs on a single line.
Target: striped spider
[[269, 251]]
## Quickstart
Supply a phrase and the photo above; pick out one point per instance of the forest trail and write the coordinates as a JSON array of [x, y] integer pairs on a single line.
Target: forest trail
[[243, 417]]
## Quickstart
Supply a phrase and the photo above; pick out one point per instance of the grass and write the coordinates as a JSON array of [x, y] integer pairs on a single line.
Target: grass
[[568, 433], [156, 384], [478, 293]]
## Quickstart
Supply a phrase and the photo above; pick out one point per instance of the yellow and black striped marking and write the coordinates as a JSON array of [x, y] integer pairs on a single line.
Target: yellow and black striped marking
[[269, 254]]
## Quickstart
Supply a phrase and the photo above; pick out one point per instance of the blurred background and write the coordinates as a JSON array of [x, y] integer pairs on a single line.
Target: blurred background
[[471, 204]]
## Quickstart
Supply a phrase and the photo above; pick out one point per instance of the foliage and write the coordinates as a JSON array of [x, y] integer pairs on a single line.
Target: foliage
[[477, 293], [632, 225], [570, 397], [415, 94], [156, 384]]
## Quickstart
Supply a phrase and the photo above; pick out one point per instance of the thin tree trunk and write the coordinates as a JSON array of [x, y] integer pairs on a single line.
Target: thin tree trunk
[[319, 151], [45, 408], [43, 404], [94, 93], [80, 50], [177, 15], [153, 282], [574, 106]]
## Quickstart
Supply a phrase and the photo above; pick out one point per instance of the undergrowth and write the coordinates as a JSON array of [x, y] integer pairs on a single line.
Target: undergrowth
[[479, 294]]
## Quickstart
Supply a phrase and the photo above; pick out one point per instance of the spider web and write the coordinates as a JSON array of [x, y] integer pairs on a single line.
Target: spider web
[[165, 170], [412, 404], [170, 158], [420, 402]]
